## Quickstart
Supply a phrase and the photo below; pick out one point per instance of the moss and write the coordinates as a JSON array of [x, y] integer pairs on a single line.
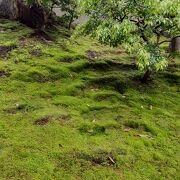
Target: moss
[[92, 130], [105, 96], [112, 81], [172, 77], [79, 66], [141, 126], [80, 119]]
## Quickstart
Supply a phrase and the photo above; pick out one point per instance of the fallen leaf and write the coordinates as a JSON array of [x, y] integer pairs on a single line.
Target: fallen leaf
[[145, 136], [127, 129], [17, 105], [150, 107], [89, 130], [111, 159]]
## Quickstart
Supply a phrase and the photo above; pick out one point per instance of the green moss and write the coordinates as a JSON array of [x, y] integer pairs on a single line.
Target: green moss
[[93, 130], [96, 110]]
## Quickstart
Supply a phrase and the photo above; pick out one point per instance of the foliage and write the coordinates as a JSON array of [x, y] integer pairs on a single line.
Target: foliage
[[134, 24], [70, 9]]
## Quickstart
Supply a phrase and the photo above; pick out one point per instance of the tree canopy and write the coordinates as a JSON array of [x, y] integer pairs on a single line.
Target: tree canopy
[[134, 24]]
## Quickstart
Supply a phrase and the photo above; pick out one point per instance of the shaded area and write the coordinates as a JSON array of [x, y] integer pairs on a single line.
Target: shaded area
[[4, 50]]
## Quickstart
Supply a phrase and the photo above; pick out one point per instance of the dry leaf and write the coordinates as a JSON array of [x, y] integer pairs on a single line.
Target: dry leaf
[[150, 107], [145, 136], [89, 130], [111, 159], [127, 129]]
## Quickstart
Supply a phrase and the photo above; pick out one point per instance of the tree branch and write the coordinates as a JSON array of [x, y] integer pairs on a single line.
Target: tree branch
[[139, 24], [168, 40]]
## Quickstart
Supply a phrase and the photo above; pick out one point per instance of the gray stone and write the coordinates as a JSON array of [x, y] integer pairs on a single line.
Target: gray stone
[[8, 9]]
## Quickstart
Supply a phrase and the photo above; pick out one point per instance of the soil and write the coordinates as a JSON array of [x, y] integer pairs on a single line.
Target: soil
[[2, 73], [99, 158], [65, 117], [93, 54], [42, 121], [41, 36], [5, 49], [36, 52], [11, 111], [67, 60]]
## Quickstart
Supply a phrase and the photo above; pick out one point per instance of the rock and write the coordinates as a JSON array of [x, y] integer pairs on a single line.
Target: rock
[[9, 9], [33, 16]]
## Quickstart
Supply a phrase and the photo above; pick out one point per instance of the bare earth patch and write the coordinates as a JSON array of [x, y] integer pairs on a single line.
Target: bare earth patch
[[93, 54], [67, 60], [5, 49], [36, 52], [65, 117], [41, 36], [2, 73], [98, 159], [11, 111], [42, 121]]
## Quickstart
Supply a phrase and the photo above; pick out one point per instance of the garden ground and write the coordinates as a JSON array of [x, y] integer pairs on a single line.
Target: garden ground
[[74, 109]]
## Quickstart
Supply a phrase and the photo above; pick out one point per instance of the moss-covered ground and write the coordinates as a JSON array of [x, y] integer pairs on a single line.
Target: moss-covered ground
[[74, 109]]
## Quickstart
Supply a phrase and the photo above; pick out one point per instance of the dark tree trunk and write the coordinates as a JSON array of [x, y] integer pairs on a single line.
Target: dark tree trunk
[[158, 38], [147, 76], [71, 21], [33, 16], [175, 45]]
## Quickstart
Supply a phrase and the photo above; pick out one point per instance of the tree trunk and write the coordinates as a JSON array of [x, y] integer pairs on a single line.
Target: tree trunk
[[174, 45], [33, 16], [71, 21], [9, 9], [146, 76], [158, 38]]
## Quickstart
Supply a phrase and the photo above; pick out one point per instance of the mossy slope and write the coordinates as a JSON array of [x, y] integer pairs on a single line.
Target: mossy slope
[[74, 109]]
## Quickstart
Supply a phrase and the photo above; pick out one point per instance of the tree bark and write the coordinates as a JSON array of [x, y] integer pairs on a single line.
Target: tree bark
[[71, 21], [174, 45], [158, 38], [33, 16], [146, 76]]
